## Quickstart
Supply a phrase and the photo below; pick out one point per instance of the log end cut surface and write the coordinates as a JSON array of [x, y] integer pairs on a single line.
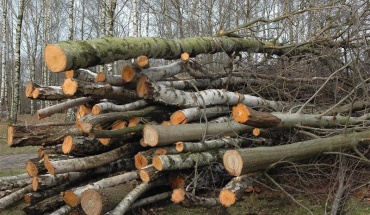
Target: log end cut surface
[[240, 113], [178, 195], [55, 58], [157, 163], [70, 198], [29, 89], [31, 169], [48, 165], [140, 161], [233, 162], [69, 87], [177, 118], [150, 135], [91, 202], [227, 198]]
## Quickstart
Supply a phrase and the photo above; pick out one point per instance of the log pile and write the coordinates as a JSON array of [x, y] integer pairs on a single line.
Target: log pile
[[147, 128]]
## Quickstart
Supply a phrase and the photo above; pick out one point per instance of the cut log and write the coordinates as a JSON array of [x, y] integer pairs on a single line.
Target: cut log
[[242, 161], [243, 114], [14, 197], [45, 206], [15, 184], [46, 181], [142, 62], [81, 74], [85, 146], [159, 135], [72, 87], [186, 161], [49, 150], [114, 80], [212, 144], [170, 96], [149, 173], [118, 133], [130, 74], [235, 189], [89, 122], [100, 201], [73, 197], [83, 110], [50, 110], [85, 163], [7, 179], [49, 93], [39, 134], [30, 87], [144, 158], [189, 200], [105, 107], [35, 166], [69, 55], [196, 113], [152, 199], [126, 202]]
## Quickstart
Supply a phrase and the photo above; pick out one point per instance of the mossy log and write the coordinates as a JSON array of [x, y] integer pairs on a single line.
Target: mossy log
[[243, 161], [69, 55]]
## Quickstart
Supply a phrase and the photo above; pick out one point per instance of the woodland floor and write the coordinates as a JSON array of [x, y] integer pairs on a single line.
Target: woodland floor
[[266, 202]]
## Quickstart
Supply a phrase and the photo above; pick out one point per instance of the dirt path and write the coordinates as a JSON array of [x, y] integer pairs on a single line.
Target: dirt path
[[18, 161]]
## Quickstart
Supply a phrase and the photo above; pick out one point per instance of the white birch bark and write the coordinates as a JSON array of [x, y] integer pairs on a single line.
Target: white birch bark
[[3, 100]]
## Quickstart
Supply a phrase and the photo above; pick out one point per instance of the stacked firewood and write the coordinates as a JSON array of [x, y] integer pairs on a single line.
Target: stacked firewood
[[155, 133]]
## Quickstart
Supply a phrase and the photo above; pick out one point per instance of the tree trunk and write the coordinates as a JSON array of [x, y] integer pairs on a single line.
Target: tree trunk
[[48, 111], [196, 114], [48, 93], [243, 161], [170, 96], [186, 161], [100, 201], [185, 147], [189, 200], [73, 198], [105, 107], [235, 189], [45, 206], [14, 197], [159, 135], [85, 163], [17, 66], [39, 134], [69, 55]]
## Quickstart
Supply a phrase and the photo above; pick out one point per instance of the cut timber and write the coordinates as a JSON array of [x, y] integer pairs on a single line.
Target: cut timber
[[7, 179], [30, 87], [176, 162], [50, 110], [235, 189], [14, 197], [143, 158], [118, 133], [170, 96], [189, 200], [85, 146], [159, 135], [74, 87], [105, 107], [35, 166], [243, 161], [49, 93], [73, 197], [129, 199], [212, 144], [142, 62], [83, 110], [39, 134], [185, 57], [129, 74], [114, 80], [149, 173], [196, 113], [46, 181], [243, 114], [81, 74], [100, 201], [35, 197], [15, 184], [152, 199], [89, 122], [43, 150], [69, 55], [45, 206], [85, 163]]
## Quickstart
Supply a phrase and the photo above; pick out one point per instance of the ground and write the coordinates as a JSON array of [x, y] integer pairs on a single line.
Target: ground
[[267, 202]]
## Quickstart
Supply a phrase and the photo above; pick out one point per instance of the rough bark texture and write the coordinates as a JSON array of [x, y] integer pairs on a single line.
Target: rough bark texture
[[242, 161], [196, 114], [14, 197], [50, 110], [69, 55], [45, 206], [184, 147], [39, 134]]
